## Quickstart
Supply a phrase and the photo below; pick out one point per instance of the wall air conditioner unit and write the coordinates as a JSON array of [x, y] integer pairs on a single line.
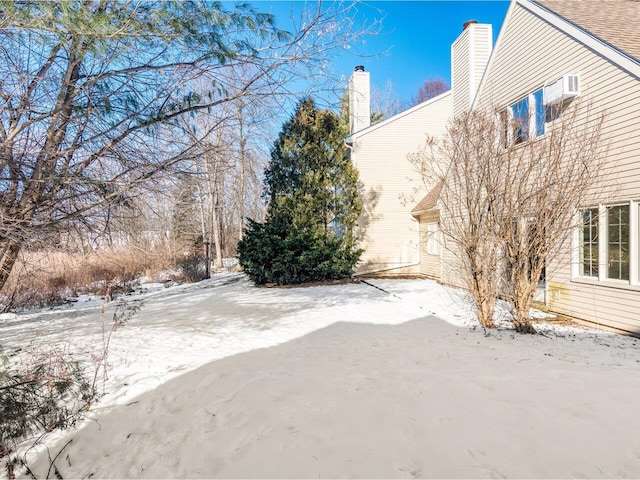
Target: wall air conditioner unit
[[561, 89]]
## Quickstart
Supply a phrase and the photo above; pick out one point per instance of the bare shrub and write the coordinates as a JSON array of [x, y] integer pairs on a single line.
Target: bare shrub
[[460, 164], [49, 278], [509, 200], [193, 268], [48, 388], [543, 184]]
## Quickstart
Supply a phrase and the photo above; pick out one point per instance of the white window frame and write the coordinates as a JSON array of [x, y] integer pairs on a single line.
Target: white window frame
[[579, 242], [606, 242], [433, 238], [603, 245], [532, 130], [634, 243]]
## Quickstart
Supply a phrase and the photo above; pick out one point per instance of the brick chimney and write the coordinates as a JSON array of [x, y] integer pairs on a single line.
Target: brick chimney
[[359, 100], [469, 57]]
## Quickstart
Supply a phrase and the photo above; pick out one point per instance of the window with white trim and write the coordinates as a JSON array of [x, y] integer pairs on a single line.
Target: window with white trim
[[540, 112], [525, 119], [605, 238], [520, 123], [588, 248], [618, 242], [433, 239]]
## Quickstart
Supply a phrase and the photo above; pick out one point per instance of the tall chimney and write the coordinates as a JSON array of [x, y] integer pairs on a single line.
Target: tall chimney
[[359, 100], [469, 57]]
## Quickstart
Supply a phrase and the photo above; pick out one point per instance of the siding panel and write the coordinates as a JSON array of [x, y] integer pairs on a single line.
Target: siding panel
[[392, 186]]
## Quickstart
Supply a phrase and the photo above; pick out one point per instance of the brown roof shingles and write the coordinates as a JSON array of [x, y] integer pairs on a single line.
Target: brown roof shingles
[[617, 22], [429, 201]]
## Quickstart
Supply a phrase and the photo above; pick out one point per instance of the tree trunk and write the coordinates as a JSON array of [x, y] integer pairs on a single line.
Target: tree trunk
[[485, 301], [486, 307], [213, 171], [524, 326], [9, 254], [524, 288], [203, 216], [216, 234], [242, 179]]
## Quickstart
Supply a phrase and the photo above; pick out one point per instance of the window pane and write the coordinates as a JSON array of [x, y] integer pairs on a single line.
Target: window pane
[[618, 244], [540, 113], [521, 121], [589, 243]]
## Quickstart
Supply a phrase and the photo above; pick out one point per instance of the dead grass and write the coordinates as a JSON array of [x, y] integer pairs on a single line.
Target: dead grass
[[49, 278]]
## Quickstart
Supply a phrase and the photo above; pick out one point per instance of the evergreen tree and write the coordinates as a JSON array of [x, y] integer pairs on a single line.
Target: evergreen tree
[[314, 204]]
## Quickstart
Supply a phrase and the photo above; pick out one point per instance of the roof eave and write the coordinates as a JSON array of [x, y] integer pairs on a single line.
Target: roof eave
[[621, 59]]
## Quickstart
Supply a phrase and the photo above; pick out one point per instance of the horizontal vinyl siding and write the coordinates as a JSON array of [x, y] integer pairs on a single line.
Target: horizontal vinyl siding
[[587, 299], [482, 51], [392, 186], [452, 272], [429, 264], [610, 306], [532, 52], [460, 74]]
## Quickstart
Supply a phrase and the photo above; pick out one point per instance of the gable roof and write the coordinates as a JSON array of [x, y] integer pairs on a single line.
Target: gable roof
[[576, 18], [445, 96], [429, 201], [581, 31], [612, 21]]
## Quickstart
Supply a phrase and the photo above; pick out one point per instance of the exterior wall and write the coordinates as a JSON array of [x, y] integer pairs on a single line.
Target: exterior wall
[[453, 271], [430, 265], [460, 74], [531, 52], [392, 185]]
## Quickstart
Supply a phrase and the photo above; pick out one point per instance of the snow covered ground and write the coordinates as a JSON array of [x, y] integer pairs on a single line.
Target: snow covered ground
[[181, 328]]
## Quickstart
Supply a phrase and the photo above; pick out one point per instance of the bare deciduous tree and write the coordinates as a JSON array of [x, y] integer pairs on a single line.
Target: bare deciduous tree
[[460, 163], [545, 181], [86, 85], [508, 201], [385, 103], [432, 87]]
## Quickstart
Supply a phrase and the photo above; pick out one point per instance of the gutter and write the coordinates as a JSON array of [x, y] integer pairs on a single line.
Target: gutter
[[368, 272]]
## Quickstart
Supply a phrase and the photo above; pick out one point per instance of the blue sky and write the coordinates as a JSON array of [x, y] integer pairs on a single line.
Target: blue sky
[[415, 42]]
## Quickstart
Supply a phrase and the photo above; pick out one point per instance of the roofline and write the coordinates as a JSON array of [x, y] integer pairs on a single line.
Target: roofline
[[397, 116], [417, 213], [607, 50], [433, 208], [422, 211], [624, 61]]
